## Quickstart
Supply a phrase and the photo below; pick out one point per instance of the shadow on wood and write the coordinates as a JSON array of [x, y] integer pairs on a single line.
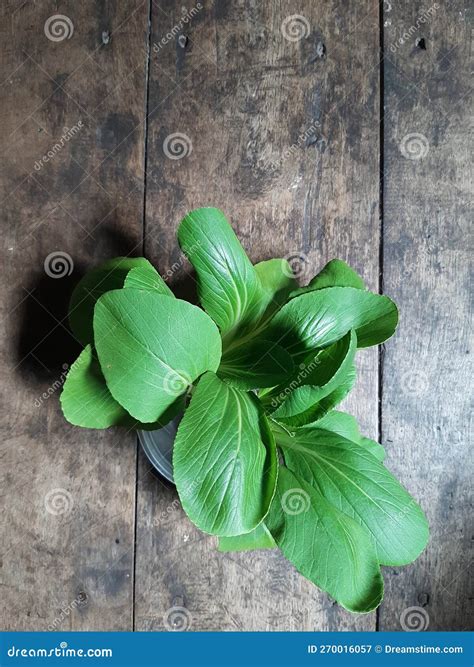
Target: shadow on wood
[[45, 343]]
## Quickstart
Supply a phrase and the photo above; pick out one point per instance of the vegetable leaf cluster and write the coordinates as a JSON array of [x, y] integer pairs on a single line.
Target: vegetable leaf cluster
[[262, 458]]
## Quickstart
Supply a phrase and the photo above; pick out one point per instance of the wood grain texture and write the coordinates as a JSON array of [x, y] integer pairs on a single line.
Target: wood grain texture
[[67, 494], [283, 136], [426, 267]]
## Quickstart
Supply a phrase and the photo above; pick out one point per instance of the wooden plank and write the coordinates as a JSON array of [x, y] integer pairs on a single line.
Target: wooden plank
[[283, 136], [427, 369], [67, 493]]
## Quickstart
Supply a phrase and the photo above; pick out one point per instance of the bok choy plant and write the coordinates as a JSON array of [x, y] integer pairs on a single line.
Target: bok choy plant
[[262, 458]]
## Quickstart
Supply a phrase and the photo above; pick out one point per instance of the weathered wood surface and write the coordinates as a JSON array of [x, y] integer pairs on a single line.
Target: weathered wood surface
[[427, 256], [67, 494], [283, 134]]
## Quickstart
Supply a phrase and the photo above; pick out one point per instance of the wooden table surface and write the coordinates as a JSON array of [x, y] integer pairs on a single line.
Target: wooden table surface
[[323, 128]]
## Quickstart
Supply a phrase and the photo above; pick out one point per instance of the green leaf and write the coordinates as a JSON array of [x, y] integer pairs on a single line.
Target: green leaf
[[319, 318], [336, 273], [176, 408], [108, 276], [341, 423], [347, 426], [146, 277], [278, 281], [322, 381], [353, 480], [256, 364], [324, 544], [228, 285], [319, 404], [224, 459], [259, 538], [85, 399], [373, 447], [152, 348]]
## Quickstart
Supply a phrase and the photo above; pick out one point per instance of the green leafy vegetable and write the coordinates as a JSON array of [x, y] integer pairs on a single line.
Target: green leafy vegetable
[[336, 273], [324, 544], [259, 538], [146, 277], [277, 282], [319, 318], [353, 480], [346, 425], [224, 459], [228, 285], [257, 364], [152, 348], [85, 399], [322, 381], [108, 276], [261, 458]]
